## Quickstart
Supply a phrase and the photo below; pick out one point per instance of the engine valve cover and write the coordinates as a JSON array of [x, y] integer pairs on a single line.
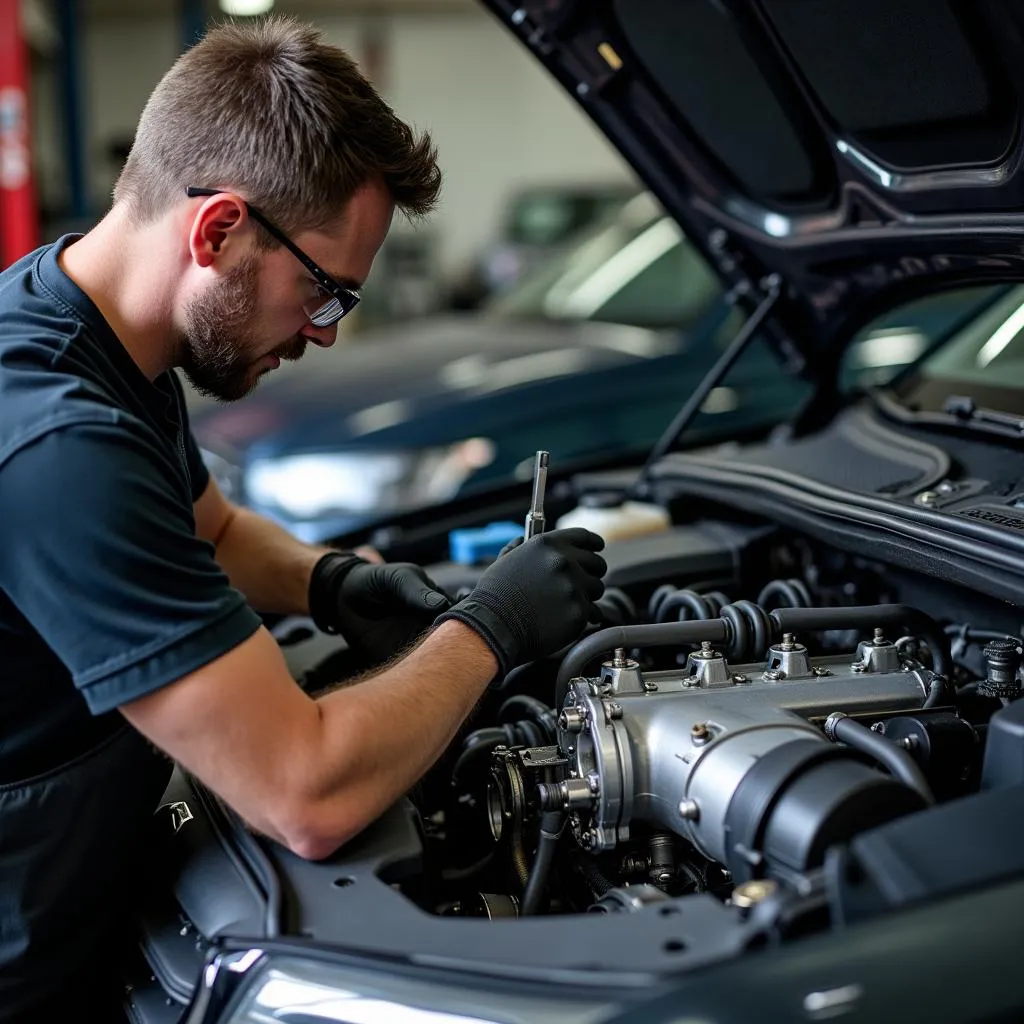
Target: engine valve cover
[[677, 749]]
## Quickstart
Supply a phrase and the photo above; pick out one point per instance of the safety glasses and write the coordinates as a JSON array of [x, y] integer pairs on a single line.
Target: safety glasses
[[333, 301]]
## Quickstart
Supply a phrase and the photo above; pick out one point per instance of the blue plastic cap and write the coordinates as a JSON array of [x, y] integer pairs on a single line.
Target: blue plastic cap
[[472, 546]]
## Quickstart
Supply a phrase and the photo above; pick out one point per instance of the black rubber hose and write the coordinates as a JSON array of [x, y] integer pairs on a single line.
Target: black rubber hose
[[672, 604], [533, 708], [716, 601], [617, 611], [792, 592], [936, 691], [912, 620], [970, 634], [530, 733], [551, 825], [802, 591], [751, 630], [616, 607], [483, 741], [659, 634], [516, 674], [898, 762], [592, 874], [489, 734], [659, 595]]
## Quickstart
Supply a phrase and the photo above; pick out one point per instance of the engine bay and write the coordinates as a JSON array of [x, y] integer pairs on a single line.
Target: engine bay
[[698, 776], [705, 745]]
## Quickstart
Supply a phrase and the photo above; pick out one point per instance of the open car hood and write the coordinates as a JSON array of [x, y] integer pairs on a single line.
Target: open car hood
[[865, 151]]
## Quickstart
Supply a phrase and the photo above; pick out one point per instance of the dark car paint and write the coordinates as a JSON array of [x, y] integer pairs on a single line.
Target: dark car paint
[[569, 388], [870, 235]]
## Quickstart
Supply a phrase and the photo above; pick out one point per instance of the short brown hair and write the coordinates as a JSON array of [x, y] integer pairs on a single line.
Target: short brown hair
[[267, 108]]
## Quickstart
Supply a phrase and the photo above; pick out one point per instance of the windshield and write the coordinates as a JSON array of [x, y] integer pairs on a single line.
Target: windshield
[[635, 268], [983, 359]]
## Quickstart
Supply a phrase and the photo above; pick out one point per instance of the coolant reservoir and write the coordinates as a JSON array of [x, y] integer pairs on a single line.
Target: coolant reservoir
[[614, 519]]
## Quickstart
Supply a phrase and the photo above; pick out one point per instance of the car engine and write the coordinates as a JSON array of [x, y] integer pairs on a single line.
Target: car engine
[[696, 777], [706, 745]]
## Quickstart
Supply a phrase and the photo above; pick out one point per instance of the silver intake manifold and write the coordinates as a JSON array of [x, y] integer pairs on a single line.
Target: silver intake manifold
[[732, 758]]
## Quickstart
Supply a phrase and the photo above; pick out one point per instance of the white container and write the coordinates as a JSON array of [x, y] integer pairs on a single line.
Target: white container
[[618, 522]]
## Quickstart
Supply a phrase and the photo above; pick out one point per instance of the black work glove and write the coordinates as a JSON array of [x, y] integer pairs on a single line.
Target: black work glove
[[379, 609], [536, 597]]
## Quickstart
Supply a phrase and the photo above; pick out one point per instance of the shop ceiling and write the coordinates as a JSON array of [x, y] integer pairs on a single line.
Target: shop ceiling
[[306, 8]]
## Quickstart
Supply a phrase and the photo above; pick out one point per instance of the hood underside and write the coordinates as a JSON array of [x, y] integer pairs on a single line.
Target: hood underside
[[866, 151]]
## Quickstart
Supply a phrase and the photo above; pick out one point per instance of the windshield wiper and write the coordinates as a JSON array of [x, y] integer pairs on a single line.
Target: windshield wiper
[[963, 407]]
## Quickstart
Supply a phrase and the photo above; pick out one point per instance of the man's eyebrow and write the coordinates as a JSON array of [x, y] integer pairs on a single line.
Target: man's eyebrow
[[344, 280]]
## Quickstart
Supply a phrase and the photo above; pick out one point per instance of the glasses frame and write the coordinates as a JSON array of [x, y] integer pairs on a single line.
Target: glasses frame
[[347, 298]]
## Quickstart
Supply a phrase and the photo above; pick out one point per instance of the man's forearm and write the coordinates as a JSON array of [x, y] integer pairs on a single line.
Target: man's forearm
[[376, 740], [266, 563]]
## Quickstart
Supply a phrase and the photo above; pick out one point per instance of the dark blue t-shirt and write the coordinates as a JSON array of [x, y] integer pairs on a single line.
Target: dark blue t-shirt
[[106, 593]]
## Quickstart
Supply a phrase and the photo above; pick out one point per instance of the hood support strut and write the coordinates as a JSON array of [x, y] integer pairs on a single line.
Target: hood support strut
[[772, 286]]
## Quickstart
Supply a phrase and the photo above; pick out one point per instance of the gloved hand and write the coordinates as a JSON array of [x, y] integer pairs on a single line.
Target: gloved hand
[[379, 609], [536, 597]]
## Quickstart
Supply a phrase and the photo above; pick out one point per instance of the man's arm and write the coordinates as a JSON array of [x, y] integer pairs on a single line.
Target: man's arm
[[262, 560], [130, 600], [312, 774]]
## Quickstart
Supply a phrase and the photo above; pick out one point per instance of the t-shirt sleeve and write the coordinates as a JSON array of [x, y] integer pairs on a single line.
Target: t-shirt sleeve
[[100, 556], [198, 472]]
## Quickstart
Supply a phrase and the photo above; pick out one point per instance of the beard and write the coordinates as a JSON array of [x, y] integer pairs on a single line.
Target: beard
[[217, 351]]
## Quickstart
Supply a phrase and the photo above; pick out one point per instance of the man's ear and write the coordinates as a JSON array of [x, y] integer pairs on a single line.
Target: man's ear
[[219, 219]]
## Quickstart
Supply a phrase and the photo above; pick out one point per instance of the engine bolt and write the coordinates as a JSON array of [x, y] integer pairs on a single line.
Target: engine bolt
[[879, 636], [772, 675], [650, 687], [748, 894], [700, 733], [858, 666], [878, 727], [619, 659], [689, 809], [572, 720], [706, 650], [738, 679], [788, 641], [820, 672]]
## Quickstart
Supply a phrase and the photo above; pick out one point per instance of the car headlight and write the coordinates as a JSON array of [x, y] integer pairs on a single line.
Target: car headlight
[[305, 991], [307, 486]]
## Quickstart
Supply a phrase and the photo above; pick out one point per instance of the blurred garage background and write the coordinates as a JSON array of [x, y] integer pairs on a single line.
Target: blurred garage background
[[548, 303], [523, 167]]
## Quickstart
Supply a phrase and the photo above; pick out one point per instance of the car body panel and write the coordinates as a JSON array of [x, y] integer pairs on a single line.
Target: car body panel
[[749, 122]]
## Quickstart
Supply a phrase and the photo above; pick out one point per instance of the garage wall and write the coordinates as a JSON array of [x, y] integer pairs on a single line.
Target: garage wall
[[498, 118]]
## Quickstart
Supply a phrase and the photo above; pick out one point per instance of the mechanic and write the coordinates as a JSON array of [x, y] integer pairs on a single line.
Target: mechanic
[[128, 637]]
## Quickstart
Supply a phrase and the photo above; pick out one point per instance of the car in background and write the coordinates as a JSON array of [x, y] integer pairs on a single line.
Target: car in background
[[539, 221], [589, 357]]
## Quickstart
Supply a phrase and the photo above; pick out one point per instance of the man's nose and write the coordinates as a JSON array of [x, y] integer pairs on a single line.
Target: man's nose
[[322, 336]]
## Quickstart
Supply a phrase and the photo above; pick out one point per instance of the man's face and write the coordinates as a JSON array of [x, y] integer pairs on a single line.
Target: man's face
[[250, 318]]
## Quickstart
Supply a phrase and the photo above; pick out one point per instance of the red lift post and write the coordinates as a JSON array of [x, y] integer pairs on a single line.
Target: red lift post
[[19, 227]]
